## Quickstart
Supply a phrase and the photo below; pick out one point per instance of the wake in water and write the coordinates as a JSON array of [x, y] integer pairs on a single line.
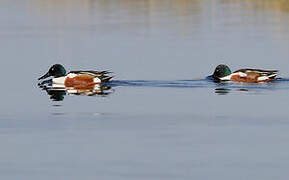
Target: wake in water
[[161, 83], [208, 82]]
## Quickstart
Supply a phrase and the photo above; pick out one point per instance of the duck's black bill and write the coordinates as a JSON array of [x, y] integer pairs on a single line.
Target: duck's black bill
[[44, 76]]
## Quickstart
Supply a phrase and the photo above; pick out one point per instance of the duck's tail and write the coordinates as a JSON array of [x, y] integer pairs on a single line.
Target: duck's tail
[[272, 76], [105, 78]]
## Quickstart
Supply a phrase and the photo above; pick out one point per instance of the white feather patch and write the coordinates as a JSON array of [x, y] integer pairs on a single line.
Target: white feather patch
[[58, 86], [226, 78], [71, 75], [241, 74], [262, 78], [59, 80], [273, 75], [71, 91], [96, 80]]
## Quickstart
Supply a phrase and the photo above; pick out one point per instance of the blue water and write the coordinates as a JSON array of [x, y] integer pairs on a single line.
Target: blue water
[[160, 117]]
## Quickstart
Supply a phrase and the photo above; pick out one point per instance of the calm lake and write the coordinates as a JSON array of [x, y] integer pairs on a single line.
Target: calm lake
[[161, 119]]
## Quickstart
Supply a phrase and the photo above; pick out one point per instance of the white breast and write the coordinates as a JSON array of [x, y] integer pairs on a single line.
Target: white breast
[[59, 80], [226, 78]]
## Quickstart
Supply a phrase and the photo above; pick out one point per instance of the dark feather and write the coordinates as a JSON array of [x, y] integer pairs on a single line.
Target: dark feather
[[106, 78], [96, 73], [259, 71]]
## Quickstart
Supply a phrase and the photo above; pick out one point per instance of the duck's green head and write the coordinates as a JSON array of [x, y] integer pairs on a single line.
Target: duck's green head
[[221, 71], [57, 70]]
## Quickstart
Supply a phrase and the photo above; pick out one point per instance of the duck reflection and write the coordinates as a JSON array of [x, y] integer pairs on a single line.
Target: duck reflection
[[222, 91], [225, 91], [57, 93]]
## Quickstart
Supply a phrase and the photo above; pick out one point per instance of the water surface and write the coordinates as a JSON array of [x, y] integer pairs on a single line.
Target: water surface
[[163, 118]]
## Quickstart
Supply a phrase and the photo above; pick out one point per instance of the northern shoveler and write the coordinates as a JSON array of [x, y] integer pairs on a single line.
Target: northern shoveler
[[223, 73], [75, 79]]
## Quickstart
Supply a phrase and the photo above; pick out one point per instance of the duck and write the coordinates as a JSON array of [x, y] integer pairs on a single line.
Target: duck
[[75, 79], [223, 73]]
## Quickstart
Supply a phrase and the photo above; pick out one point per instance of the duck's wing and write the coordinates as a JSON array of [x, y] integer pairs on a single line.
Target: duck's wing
[[92, 73], [260, 72], [102, 75]]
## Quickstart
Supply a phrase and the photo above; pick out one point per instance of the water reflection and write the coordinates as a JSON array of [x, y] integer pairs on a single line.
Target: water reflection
[[222, 91], [225, 91], [182, 18], [178, 7], [141, 17], [224, 88], [58, 93], [276, 5]]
